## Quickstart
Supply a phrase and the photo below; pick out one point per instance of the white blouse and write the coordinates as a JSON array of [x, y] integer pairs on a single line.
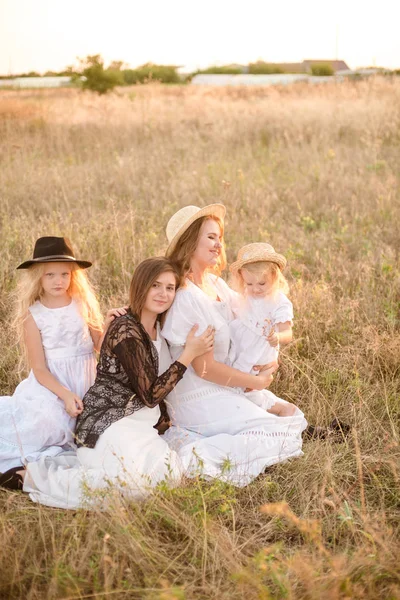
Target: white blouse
[[191, 306]]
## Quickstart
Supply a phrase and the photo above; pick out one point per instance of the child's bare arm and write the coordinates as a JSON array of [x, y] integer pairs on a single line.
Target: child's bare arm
[[97, 335], [37, 362], [282, 336]]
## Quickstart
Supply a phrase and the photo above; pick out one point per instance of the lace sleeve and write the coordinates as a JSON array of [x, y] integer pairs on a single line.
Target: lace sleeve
[[139, 366]]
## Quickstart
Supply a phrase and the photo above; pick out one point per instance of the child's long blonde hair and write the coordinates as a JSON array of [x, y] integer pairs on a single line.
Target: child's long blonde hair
[[278, 279], [29, 290]]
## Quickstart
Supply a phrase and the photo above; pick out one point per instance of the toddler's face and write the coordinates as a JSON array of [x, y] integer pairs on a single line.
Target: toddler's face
[[257, 285]]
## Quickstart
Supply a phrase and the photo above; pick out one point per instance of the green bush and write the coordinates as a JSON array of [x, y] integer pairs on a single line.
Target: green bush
[[96, 77], [150, 72], [322, 70], [262, 68], [223, 70]]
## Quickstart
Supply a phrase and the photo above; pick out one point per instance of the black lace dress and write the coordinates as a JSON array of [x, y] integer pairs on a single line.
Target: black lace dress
[[127, 379]]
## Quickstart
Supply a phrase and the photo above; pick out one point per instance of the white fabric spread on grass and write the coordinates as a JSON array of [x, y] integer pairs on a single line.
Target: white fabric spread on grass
[[220, 431], [34, 422], [129, 457]]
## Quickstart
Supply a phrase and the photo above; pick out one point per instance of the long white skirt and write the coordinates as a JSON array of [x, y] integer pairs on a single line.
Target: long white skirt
[[33, 421], [229, 435], [129, 457]]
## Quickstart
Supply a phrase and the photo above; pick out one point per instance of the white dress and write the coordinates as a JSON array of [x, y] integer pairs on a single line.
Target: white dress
[[256, 318], [34, 421], [129, 457], [218, 431]]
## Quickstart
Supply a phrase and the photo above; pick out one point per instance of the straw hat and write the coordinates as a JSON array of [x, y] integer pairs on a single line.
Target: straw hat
[[182, 220], [258, 252]]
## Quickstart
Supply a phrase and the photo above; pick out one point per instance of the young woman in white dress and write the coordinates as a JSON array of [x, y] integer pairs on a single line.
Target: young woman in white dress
[[118, 445], [59, 324], [264, 318], [216, 429]]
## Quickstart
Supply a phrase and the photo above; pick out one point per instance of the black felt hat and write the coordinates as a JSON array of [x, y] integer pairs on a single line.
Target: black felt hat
[[53, 249]]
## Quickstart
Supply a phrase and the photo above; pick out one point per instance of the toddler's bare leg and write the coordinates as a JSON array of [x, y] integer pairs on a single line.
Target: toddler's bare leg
[[282, 410]]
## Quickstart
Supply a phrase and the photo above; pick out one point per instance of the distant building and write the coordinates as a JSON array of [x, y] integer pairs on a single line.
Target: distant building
[[246, 79], [299, 68], [336, 65], [36, 82]]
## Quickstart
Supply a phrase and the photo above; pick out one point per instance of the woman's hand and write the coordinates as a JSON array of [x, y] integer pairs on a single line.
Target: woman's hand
[[266, 367], [266, 377], [73, 404], [112, 314], [197, 345]]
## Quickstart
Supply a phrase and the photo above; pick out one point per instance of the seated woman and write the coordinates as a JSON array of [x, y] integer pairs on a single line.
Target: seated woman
[[217, 429], [117, 441]]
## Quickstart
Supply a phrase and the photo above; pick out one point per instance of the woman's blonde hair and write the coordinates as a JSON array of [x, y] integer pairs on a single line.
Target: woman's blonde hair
[[279, 281], [187, 244], [29, 290], [145, 275]]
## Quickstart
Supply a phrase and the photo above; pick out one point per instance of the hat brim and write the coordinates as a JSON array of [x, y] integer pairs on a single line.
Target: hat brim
[[276, 258], [83, 264], [212, 210]]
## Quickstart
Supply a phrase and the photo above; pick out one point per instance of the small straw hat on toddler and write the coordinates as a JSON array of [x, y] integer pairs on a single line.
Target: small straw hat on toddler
[[257, 252]]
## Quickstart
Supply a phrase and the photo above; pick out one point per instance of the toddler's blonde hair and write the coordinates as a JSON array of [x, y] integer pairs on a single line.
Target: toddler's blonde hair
[[279, 281], [29, 290]]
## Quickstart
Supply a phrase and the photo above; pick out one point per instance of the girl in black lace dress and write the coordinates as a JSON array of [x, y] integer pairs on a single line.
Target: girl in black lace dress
[[116, 436]]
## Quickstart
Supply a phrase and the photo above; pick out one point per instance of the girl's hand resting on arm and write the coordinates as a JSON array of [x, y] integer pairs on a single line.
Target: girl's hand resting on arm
[[73, 404], [197, 345]]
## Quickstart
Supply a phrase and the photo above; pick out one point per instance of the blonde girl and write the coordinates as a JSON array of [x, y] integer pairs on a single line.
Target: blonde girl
[[59, 325], [265, 314]]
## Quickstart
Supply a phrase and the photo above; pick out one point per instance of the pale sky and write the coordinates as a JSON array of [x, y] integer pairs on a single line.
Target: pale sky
[[41, 35]]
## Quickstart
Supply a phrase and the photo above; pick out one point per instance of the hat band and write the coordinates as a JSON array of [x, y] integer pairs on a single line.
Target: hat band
[[51, 256]]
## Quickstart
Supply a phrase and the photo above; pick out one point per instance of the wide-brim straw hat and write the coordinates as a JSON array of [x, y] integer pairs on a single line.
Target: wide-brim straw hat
[[183, 219], [257, 252], [53, 249]]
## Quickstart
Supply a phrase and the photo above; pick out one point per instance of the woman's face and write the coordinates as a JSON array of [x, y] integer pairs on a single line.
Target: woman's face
[[161, 293], [209, 245]]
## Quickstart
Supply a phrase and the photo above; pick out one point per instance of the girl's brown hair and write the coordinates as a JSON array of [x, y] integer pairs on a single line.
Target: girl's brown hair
[[187, 244], [145, 275]]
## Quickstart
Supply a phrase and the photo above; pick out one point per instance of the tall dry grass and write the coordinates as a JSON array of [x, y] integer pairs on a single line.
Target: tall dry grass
[[314, 171]]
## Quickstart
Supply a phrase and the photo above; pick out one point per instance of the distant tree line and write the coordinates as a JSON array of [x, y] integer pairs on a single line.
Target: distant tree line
[[91, 73]]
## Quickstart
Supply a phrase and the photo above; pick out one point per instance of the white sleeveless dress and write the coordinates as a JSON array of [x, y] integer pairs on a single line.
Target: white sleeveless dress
[[219, 431], [129, 457], [34, 422]]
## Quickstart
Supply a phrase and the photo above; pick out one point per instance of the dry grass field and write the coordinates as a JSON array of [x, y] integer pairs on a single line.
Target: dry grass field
[[313, 170]]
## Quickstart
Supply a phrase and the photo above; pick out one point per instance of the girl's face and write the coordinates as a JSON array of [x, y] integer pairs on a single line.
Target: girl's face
[[209, 245], [56, 279], [257, 285], [161, 294]]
